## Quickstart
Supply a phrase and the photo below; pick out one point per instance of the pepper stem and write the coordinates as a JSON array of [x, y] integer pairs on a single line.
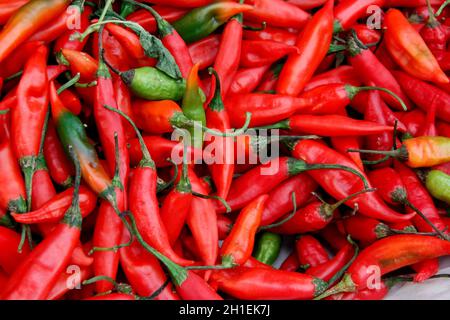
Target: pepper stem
[[346, 285], [367, 88], [164, 27], [146, 160], [69, 83], [333, 207], [432, 21], [441, 8], [184, 185], [222, 200], [73, 217], [339, 167], [339, 274], [401, 154]]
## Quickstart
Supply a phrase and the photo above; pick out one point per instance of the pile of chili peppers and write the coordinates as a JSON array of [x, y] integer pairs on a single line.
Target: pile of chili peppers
[[93, 205]]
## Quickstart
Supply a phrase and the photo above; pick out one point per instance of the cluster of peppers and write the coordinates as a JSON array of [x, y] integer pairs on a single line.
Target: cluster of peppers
[[91, 92]]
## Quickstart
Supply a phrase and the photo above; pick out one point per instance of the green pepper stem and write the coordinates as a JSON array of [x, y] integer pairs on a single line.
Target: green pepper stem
[[442, 7], [339, 167], [222, 200], [164, 27], [146, 160], [346, 285], [336, 205], [367, 88], [69, 83]]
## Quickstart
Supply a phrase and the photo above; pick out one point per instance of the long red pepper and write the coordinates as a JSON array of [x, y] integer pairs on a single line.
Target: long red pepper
[[387, 255], [54, 209], [29, 115], [339, 184], [272, 34], [204, 51], [341, 74], [39, 272], [238, 246], [370, 70], [267, 284], [143, 270], [257, 53], [313, 45], [217, 118], [348, 12], [409, 50], [26, 21], [148, 21], [246, 80], [277, 13]]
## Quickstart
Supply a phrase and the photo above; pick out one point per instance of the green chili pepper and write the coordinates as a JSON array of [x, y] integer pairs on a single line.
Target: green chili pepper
[[201, 22], [268, 248], [126, 9], [438, 184], [192, 106]]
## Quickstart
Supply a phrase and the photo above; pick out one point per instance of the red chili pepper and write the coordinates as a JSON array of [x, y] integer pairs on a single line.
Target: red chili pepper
[[280, 201], [413, 120], [422, 94], [224, 224], [246, 80], [272, 34], [82, 63], [377, 293], [425, 269], [341, 74], [267, 284], [339, 184], [38, 273], [12, 195], [348, 12], [183, 3], [217, 118], [257, 53], [370, 70], [409, 50], [434, 33], [328, 269], [7, 9], [374, 111], [331, 126], [54, 209], [238, 246], [366, 230], [366, 34], [202, 221], [277, 13], [61, 288], [16, 60], [387, 255], [342, 144], [313, 44], [143, 270], [243, 189], [26, 21], [65, 42], [443, 128], [130, 43], [29, 114], [333, 237], [204, 51], [419, 197], [307, 4], [291, 263], [147, 20], [176, 205], [10, 258], [154, 116], [312, 217], [310, 251], [195, 288]]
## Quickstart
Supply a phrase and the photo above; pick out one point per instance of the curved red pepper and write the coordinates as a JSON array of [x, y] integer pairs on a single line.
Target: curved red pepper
[[246, 80], [147, 20], [204, 51], [257, 53], [313, 44], [349, 11], [10, 258], [339, 184]]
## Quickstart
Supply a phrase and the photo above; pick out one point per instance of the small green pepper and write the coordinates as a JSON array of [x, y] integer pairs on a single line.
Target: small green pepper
[[438, 184], [268, 248], [201, 22]]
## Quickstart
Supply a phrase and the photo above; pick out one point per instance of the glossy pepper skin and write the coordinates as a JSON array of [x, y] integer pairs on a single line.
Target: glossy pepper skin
[[10, 258], [438, 184], [267, 284], [143, 270], [238, 245], [348, 12], [37, 274], [313, 45], [409, 50], [268, 248], [280, 199], [201, 22], [392, 253], [26, 21], [337, 183], [310, 251]]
